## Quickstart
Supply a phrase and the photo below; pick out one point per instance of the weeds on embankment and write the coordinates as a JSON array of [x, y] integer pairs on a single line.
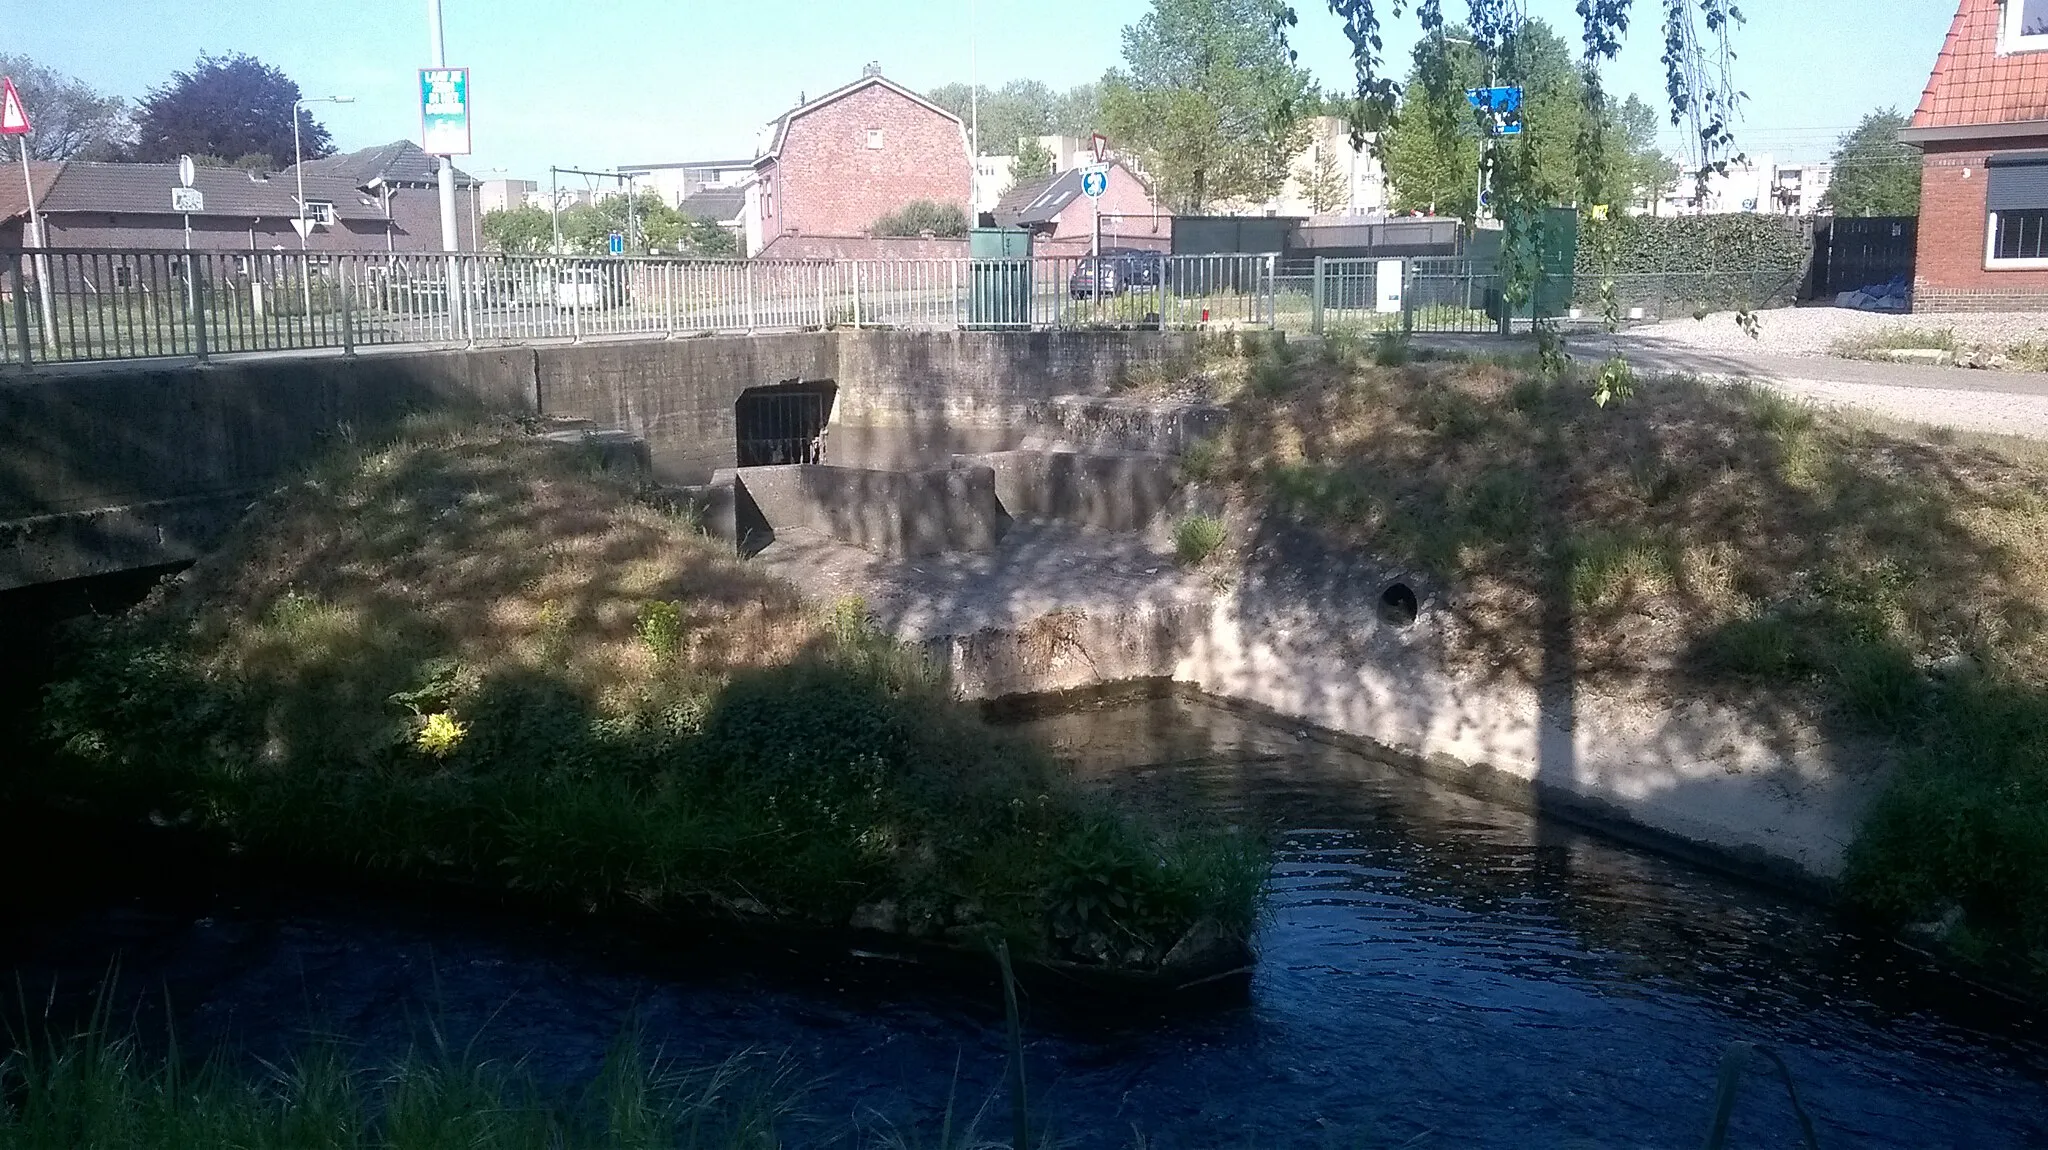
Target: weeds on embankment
[[1871, 583], [474, 659]]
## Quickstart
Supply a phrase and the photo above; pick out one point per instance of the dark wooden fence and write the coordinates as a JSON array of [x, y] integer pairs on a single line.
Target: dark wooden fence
[[1851, 254]]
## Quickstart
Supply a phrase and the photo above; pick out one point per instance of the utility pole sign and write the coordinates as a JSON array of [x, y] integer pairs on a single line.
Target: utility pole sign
[[444, 111], [14, 122], [13, 117]]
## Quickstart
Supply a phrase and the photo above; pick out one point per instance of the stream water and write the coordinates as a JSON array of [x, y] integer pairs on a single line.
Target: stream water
[[1435, 971]]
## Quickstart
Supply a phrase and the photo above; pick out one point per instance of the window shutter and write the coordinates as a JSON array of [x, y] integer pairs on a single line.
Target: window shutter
[[2017, 182]]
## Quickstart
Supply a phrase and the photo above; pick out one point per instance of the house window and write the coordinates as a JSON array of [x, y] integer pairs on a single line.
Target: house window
[[2016, 202], [2020, 236], [2026, 26], [875, 134], [320, 212], [124, 276]]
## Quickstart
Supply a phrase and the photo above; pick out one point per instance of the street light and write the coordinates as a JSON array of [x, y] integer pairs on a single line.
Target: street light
[[299, 171], [298, 163]]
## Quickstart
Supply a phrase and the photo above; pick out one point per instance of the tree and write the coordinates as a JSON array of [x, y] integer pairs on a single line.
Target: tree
[[1210, 99], [920, 216], [232, 106], [1644, 174], [1017, 111], [1570, 149], [1322, 181], [1078, 112], [1033, 160], [73, 120], [1875, 174], [524, 230]]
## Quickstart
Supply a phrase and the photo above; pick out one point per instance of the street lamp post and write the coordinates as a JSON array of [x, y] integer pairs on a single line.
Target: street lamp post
[[299, 171]]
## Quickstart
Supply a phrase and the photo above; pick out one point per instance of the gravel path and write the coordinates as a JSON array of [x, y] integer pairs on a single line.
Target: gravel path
[[1812, 331]]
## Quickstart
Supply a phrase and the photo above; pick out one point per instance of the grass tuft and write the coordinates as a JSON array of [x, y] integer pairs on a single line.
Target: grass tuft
[[1196, 537]]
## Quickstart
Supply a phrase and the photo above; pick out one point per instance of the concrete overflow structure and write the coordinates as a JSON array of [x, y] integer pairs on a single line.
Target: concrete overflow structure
[[995, 500]]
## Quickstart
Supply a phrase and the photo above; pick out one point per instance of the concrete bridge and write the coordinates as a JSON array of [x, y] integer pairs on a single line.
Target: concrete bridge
[[124, 466]]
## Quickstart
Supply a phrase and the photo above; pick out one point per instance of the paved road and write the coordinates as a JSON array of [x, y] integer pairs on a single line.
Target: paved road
[[1996, 402]]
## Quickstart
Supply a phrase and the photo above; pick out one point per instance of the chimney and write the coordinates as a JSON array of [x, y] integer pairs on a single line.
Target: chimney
[[874, 68]]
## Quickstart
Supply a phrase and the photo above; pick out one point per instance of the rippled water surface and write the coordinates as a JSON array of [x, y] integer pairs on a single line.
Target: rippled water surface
[[1435, 972]]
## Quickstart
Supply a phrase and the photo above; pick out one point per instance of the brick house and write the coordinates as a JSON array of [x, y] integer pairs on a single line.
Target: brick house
[[1063, 219], [832, 166], [1982, 128], [405, 181], [380, 199]]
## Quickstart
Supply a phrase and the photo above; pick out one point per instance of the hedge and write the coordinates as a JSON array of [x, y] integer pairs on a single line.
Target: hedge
[[1695, 263]]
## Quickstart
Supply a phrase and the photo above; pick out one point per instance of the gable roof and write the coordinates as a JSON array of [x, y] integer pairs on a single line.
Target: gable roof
[[398, 162], [779, 127], [146, 189], [1974, 90], [1039, 200], [14, 197], [716, 204], [1042, 199]]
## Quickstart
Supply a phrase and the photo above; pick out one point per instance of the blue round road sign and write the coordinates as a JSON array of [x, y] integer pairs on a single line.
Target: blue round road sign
[[1095, 182]]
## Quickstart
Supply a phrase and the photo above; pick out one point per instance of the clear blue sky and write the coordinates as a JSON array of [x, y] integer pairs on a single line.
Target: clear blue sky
[[596, 83]]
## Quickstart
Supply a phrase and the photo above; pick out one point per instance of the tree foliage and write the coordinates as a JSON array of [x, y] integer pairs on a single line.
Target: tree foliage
[[1210, 100], [1033, 161], [921, 216], [72, 119], [1876, 174], [524, 230], [1020, 110], [234, 107], [1574, 147], [652, 228]]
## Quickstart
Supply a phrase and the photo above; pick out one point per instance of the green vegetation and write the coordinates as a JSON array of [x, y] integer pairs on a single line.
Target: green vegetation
[[1021, 110], [101, 1088], [1875, 584], [2026, 355], [652, 227], [1196, 537], [1210, 99], [1876, 173], [919, 217], [1895, 338], [1433, 140], [472, 659]]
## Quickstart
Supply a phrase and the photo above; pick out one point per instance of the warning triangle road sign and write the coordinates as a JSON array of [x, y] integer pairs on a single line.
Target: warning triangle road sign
[[13, 117]]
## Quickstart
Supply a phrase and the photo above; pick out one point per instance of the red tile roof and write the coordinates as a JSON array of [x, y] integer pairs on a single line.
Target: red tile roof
[[13, 198], [1974, 85]]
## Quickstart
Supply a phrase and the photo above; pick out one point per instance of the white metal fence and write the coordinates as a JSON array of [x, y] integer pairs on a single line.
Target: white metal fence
[[75, 305]]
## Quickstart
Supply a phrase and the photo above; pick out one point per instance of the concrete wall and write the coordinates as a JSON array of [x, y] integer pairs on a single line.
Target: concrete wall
[[119, 469], [678, 395], [920, 396], [109, 469]]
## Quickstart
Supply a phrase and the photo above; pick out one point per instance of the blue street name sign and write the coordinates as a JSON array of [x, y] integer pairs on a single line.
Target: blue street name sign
[[1503, 104]]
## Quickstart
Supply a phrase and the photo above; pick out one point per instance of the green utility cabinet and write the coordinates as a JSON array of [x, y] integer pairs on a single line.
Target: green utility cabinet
[[1556, 255], [999, 277]]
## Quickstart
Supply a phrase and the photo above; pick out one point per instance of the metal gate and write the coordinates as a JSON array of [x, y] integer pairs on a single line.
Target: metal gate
[[783, 423]]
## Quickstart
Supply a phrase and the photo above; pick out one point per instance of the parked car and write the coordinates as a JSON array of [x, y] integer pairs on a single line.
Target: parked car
[[1118, 269]]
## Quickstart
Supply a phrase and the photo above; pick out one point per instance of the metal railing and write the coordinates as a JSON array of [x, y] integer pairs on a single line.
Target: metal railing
[[1444, 295], [81, 305]]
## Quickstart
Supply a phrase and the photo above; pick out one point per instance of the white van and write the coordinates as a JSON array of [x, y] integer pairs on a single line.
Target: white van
[[584, 288]]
